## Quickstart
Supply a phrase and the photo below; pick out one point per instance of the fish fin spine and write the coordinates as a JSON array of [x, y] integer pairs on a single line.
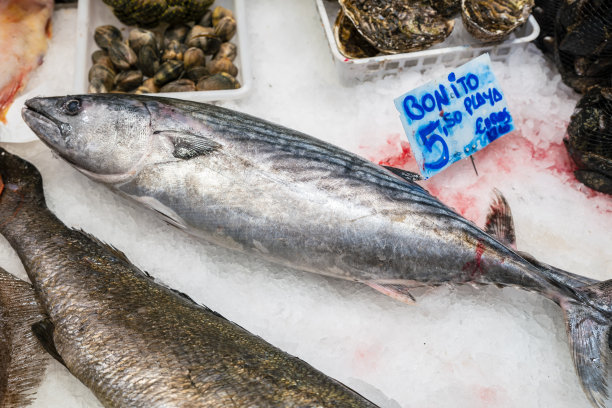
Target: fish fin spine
[[500, 223], [396, 291]]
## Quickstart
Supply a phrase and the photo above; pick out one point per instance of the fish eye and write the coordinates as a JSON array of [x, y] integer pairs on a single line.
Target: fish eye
[[72, 107]]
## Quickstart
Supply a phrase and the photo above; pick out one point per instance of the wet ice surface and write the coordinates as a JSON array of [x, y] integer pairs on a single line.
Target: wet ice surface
[[459, 347]]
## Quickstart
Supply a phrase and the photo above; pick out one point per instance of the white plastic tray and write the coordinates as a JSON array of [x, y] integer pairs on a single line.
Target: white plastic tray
[[93, 13], [457, 49]]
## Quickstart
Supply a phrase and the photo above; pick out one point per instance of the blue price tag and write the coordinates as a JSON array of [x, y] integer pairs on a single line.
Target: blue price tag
[[451, 118]]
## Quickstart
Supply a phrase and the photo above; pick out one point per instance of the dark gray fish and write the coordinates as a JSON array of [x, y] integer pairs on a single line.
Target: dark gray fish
[[134, 342], [260, 188], [22, 359]]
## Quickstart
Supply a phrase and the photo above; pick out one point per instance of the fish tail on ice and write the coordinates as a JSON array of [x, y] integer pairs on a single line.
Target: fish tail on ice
[[22, 180], [588, 320]]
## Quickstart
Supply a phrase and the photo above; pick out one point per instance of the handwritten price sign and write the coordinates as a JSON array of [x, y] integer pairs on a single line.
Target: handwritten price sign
[[451, 118]]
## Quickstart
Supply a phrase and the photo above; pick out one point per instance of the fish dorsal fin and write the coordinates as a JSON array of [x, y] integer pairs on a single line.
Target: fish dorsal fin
[[114, 251], [405, 174], [500, 223], [43, 330], [22, 360], [189, 145]]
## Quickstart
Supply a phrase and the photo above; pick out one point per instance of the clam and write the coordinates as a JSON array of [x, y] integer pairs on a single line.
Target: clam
[[147, 86], [168, 71], [176, 33], [106, 34], [218, 82], [121, 55], [97, 54], [227, 50], [194, 57], [128, 80], [493, 20], [174, 51], [589, 141], [148, 61], [180, 85], [197, 73], [203, 38], [102, 59], [218, 65], [139, 38], [103, 74], [397, 26], [350, 42], [225, 28], [97, 86], [206, 20], [220, 12]]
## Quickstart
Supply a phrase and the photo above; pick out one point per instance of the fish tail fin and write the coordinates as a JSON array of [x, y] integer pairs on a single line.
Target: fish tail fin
[[22, 359], [20, 182], [588, 321]]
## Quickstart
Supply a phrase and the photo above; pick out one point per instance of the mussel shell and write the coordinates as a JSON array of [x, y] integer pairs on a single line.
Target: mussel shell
[[203, 38], [397, 26], [218, 65], [493, 20], [106, 34], [122, 56], [350, 42], [197, 73], [589, 141], [147, 86], [218, 82], [180, 85], [140, 37], [176, 33], [206, 20], [225, 28], [193, 57], [174, 51], [227, 50], [97, 86], [168, 71], [148, 61], [126, 81], [220, 12], [103, 74]]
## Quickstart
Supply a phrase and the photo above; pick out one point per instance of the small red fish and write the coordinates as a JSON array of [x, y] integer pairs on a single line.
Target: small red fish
[[25, 26]]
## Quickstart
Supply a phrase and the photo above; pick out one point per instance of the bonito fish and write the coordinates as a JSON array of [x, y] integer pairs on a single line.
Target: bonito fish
[[24, 30], [134, 342], [260, 188], [22, 359]]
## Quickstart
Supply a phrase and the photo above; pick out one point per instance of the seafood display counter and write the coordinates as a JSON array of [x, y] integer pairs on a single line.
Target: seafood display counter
[[466, 345]]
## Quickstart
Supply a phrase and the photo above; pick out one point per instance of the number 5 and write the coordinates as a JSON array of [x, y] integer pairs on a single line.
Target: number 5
[[429, 139]]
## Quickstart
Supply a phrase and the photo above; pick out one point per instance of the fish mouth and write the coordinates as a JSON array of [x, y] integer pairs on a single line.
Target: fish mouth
[[46, 127]]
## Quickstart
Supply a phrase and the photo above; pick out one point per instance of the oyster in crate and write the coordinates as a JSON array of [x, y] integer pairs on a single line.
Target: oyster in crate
[[493, 20], [350, 42], [149, 13], [590, 139], [397, 26]]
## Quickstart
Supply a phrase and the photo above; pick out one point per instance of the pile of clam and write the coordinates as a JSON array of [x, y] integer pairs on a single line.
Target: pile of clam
[[179, 58], [365, 28]]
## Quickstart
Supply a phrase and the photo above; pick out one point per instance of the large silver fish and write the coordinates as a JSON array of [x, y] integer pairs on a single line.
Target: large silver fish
[[134, 342], [260, 188]]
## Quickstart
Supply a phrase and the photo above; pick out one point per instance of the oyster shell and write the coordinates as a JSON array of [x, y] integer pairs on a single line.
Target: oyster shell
[[396, 26], [494, 20], [350, 42], [590, 139], [447, 8]]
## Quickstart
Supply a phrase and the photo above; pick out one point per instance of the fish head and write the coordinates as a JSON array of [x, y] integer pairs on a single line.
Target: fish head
[[101, 135]]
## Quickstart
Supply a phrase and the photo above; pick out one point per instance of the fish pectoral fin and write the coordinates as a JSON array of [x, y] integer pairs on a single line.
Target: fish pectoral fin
[[189, 145], [397, 291], [405, 174], [43, 330], [500, 224]]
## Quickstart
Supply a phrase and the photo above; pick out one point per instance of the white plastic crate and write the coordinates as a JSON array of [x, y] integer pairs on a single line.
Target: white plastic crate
[[457, 49], [94, 13]]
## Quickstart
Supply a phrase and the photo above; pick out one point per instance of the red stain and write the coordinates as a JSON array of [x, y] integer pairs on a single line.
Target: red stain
[[474, 267], [487, 394], [365, 358]]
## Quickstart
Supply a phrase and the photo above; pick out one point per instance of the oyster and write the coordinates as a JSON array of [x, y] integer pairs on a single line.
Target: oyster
[[590, 139], [149, 13], [350, 42], [447, 8], [494, 20], [396, 26]]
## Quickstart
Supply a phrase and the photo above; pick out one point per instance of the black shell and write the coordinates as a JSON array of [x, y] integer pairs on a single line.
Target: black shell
[[589, 141]]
